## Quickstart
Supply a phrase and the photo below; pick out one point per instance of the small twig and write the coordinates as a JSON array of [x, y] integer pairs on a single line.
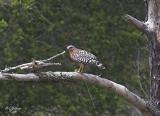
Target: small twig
[[46, 60], [39, 63]]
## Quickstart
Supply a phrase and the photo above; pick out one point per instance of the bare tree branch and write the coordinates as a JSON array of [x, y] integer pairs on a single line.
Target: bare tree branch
[[137, 23], [51, 58], [132, 98], [39, 63]]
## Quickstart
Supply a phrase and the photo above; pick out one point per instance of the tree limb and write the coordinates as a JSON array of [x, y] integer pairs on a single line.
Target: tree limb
[[39, 63], [132, 98], [137, 23]]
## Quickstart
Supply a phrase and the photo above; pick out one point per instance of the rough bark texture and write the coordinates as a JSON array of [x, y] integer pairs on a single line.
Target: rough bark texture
[[153, 24], [152, 30], [120, 90]]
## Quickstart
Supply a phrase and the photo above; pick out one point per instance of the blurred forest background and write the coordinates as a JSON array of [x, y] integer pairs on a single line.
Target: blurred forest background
[[42, 28]]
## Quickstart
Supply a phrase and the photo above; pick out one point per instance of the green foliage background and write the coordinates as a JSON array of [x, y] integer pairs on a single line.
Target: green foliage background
[[42, 28]]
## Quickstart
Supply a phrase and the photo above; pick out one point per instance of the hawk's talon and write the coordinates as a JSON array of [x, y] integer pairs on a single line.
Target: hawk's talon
[[76, 70]]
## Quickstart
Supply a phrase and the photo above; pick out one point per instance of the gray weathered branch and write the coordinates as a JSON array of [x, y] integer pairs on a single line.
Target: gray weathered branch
[[137, 23], [132, 98], [39, 63]]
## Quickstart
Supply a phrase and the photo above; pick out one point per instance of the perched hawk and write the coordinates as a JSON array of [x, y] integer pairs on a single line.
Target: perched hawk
[[83, 58]]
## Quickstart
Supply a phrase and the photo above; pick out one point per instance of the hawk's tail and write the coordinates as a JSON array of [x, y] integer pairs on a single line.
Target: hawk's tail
[[100, 65]]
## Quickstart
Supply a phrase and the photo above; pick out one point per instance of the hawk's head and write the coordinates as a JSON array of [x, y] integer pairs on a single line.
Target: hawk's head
[[70, 47]]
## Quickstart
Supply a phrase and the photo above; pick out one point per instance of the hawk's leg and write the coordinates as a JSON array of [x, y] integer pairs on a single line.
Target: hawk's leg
[[81, 67], [76, 70]]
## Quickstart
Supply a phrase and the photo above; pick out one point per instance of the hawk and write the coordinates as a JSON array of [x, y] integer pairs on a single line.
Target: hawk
[[83, 58]]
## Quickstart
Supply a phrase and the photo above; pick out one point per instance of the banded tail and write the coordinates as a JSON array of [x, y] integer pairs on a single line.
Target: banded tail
[[100, 65]]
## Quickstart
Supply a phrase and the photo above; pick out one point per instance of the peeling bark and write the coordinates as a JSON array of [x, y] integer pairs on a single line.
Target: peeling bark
[[153, 35]]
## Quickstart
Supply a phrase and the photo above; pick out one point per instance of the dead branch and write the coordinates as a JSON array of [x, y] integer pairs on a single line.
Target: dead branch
[[137, 23], [38, 63], [120, 90]]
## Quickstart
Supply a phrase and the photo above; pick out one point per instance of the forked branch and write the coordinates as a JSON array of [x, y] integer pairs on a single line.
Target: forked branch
[[38, 63]]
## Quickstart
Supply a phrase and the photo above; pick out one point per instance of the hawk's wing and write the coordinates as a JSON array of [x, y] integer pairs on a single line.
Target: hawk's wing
[[85, 57]]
